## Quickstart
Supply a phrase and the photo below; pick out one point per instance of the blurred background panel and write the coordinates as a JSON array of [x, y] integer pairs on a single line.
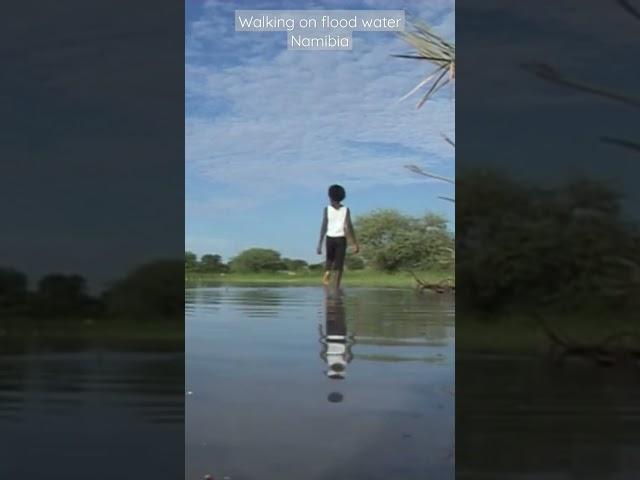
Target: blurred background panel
[[92, 209], [547, 238]]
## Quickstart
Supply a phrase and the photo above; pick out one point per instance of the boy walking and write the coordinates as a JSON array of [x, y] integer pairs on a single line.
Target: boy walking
[[336, 226]]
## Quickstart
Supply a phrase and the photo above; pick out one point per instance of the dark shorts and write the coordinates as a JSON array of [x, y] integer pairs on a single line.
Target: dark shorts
[[336, 251]]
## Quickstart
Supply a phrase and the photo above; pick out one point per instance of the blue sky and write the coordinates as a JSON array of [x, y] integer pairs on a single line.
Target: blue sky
[[541, 132], [268, 130]]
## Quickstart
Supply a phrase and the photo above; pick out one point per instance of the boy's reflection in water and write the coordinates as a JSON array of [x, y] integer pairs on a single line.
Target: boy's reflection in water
[[336, 343]]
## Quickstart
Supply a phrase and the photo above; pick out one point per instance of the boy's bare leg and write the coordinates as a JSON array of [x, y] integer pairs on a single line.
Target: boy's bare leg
[[326, 278]]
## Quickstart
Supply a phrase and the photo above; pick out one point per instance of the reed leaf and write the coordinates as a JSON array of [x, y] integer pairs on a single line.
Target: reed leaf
[[420, 171], [432, 48]]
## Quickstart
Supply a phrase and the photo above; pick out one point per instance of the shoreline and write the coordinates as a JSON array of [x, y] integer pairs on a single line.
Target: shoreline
[[30, 335], [356, 278]]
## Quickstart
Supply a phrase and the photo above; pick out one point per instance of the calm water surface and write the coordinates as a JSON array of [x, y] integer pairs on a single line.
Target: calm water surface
[[524, 418], [68, 407], [295, 383]]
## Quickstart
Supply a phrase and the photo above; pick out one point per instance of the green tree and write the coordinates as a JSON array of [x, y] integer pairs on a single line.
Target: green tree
[[152, 291], [317, 267], [392, 241], [569, 245], [61, 294], [354, 262], [190, 260], [257, 260], [13, 287], [211, 264], [294, 265]]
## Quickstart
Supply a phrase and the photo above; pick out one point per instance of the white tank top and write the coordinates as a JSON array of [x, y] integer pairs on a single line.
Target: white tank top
[[336, 219]]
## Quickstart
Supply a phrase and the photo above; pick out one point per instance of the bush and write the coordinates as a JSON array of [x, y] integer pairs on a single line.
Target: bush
[[154, 290], [257, 260], [353, 262], [190, 260], [317, 267], [13, 288], [568, 245], [211, 264], [64, 295], [294, 265], [392, 241]]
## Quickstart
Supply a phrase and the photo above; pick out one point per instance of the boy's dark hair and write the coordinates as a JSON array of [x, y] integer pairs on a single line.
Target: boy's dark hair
[[337, 193]]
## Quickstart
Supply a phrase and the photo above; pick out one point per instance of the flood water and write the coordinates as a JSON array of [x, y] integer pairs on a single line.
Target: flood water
[[523, 417], [90, 413], [295, 383]]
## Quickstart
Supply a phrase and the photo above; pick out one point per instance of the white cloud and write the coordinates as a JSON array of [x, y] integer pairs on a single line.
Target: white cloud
[[206, 208], [280, 118]]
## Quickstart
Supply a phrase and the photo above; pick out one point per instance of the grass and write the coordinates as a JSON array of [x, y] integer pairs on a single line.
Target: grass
[[517, 334], [356, 278], [124, 334]]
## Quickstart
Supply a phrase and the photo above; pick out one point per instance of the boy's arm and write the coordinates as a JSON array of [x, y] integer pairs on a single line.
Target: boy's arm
[[323, 231], [352, 232]]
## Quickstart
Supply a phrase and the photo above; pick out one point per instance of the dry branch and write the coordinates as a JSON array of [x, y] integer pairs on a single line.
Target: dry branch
[[606, 352]]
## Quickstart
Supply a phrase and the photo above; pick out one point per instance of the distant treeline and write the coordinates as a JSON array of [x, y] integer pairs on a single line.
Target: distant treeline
[[152, 291], [255, 260], [252, 260], [390, 242]]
